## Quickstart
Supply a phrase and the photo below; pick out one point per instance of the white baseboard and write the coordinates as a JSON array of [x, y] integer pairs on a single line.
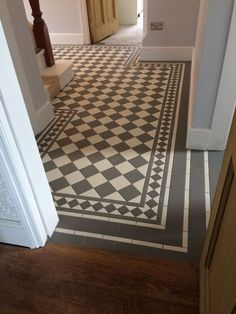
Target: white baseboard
[[13, 233], [67, 39], [45, 115], [166, 53], [197, 138]]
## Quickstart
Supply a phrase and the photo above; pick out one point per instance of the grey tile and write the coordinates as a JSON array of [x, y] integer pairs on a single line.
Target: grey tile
[[116, 159], [215, 159], [56, 153], [50, 165], [96, 157], [68, 168], [167, 237], [59, 184], [134, 176], [67, 239], [89, 171], [132, 232], [111, 173], [138, 161], [89, 225], [129, 192], [105, 189], [129, 248], [81, 187], [99, 244]]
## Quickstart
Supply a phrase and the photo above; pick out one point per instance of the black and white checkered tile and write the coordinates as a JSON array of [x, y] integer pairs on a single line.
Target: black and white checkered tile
[[115, 155], [106, 150]]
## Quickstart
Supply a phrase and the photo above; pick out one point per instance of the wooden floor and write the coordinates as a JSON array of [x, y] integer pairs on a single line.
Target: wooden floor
[[65, 279]]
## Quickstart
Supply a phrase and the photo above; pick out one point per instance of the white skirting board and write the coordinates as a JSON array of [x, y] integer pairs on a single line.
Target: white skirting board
[[45, 115], [67, 39], [197, 138], [166, 53]]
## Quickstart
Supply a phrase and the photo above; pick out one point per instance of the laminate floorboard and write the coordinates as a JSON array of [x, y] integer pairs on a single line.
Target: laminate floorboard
[[66, 279]]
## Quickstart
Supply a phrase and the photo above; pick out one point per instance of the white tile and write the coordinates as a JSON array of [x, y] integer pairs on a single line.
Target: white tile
[[185, 239], [70, 214], [175, 248], [82, 163], [120, 183], [54, 175], [117, 239], [88, 234], [148, 244], [66, 231]]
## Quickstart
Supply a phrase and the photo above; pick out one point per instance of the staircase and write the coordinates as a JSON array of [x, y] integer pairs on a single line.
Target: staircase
[[55, 75]]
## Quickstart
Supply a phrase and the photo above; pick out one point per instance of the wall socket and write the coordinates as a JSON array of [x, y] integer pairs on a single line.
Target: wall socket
[[157, 26]]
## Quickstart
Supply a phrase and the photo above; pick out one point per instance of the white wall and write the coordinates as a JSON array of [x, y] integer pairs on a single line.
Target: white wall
[[127, 12], [180, 22], [208, 62], [177, 38], [63, 19]]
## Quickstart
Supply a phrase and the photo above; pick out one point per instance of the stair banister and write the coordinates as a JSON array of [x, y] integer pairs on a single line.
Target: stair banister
[[41, 34]]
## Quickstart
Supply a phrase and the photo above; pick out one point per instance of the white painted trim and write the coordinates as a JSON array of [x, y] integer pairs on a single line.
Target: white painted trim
[[24, 230], [226, 98], [197, 138], [83, 12], [18, 130], [166, 53], [67, 38], [145, 18], [192, 90], [16, 179], [225, 102], [45, 115], [13, 233]]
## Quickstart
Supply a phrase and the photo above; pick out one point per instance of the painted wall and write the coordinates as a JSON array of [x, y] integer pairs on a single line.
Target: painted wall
[[63, 19], [208, 66], [209, 57], [127, 12], [180, 23]]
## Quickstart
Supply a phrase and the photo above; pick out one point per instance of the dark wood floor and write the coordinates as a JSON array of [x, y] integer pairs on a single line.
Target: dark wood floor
[[65, 279]]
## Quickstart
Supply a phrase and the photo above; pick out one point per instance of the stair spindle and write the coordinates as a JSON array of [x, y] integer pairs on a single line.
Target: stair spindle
[[41, 34]]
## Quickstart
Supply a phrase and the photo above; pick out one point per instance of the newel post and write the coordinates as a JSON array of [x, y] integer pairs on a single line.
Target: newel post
[[41, 34]]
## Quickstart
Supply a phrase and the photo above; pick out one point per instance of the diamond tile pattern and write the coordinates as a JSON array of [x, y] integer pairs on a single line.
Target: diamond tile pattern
[[107, 148]]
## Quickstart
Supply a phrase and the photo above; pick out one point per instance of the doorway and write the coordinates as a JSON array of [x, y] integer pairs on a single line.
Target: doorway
[[130, 31], [129, 21]]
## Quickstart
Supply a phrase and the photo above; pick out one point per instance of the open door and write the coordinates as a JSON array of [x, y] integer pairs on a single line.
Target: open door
[[102, 15], [218, 262]]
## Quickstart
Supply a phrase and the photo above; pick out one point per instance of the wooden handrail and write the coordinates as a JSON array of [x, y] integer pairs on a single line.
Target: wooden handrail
[[41, 34]]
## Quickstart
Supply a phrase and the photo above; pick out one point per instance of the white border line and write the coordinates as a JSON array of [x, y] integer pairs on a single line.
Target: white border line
[[207, 187], [172, 151]]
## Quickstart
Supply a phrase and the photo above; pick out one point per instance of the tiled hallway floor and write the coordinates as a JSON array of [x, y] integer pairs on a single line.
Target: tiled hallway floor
[[115, 156]]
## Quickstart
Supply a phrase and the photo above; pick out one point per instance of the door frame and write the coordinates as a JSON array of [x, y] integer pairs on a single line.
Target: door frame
[[83, 11], [216, 218], [38, 213], [85, 22]]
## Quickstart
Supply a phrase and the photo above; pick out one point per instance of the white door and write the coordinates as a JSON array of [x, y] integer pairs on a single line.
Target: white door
[[27, 211]]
